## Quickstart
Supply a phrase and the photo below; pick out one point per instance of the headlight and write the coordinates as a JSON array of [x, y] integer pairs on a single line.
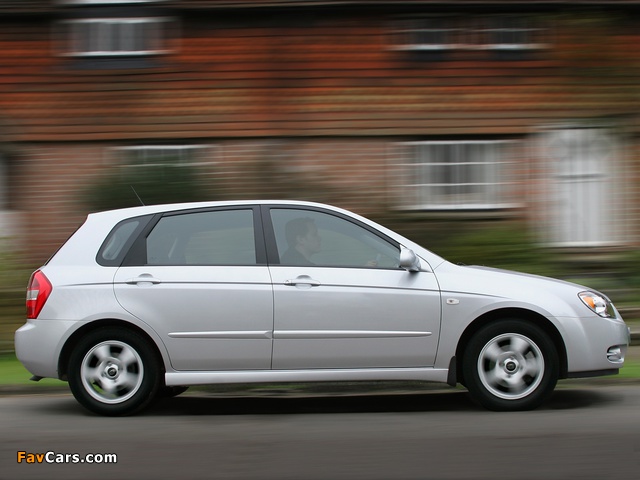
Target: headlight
[[597, 303]]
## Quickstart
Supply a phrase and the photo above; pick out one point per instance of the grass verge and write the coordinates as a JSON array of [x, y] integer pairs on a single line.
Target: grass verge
[[631, 369], [12, 373]]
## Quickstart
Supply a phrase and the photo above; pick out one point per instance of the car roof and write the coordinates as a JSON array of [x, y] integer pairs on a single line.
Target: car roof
[[172, 207], [81, 247]]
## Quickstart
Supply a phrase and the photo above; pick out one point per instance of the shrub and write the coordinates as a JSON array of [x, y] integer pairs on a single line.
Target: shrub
[[148, 185], [508, 246]]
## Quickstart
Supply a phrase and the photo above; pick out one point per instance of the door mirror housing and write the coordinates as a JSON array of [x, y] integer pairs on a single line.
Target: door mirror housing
[[409, 260]]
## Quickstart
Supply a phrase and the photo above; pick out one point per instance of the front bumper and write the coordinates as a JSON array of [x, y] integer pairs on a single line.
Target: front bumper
[[595, 344]]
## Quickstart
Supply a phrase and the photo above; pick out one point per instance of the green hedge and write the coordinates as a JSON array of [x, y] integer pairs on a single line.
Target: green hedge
[[149, 185]]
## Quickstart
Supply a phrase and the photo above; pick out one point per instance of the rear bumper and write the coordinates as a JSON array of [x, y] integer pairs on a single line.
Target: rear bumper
[[38, 344]]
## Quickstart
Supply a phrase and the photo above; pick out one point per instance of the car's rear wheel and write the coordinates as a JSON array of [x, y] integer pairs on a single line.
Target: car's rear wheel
[[113, 371], [510, 365]]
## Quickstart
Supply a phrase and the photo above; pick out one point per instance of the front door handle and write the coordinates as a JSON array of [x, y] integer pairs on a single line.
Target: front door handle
[[302, 281], [144, 278]]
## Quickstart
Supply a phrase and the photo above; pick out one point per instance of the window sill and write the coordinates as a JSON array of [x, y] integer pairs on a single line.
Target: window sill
[[462, 212]]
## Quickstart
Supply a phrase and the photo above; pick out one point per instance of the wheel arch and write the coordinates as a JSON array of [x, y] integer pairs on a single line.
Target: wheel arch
[[72, 341], [501, 314]]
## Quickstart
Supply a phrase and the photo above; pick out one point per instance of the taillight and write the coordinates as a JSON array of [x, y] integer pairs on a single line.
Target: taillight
[[38, 291]]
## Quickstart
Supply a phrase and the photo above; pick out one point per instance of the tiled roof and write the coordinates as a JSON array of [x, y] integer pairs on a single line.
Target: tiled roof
[[333, 76]]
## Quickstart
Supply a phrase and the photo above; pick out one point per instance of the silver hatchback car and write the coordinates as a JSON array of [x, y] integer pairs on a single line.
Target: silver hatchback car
[[146, 301]]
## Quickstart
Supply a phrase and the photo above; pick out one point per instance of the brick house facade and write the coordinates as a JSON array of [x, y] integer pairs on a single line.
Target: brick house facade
[[416, 109]]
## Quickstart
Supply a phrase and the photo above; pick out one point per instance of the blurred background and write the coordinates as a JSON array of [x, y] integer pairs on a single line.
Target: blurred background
[[505, 134]]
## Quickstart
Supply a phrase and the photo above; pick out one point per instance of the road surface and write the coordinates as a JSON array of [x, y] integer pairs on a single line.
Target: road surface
[[583, 432]]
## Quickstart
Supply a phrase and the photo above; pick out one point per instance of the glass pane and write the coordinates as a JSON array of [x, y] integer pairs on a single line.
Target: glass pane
[[462, 175], [207, 238], [117, 239], [312, 238]]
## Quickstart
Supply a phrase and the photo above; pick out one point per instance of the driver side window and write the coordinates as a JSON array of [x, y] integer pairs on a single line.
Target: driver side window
[[307, 237]]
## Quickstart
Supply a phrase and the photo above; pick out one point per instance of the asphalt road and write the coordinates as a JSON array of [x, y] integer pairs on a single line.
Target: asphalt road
[[583, 432]]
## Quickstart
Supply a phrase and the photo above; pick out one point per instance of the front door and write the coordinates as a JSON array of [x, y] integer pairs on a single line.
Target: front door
[[583, 197], [342, 301]]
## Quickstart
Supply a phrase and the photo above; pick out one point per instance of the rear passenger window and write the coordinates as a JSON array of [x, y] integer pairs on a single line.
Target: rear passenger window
[[205, 238]]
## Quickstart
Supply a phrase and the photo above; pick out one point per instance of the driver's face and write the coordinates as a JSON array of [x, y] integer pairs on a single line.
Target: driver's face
[[311, 241]]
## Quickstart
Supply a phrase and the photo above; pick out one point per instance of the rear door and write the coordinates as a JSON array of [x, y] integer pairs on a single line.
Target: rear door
[[199, 278]]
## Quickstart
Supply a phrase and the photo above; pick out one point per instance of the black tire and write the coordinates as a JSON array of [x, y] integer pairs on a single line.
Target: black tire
[[168, 392], [510, 365], [113, 371]]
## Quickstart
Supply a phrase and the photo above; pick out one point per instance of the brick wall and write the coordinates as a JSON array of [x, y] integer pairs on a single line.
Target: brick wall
[[362, 175], [54, 179], [309, 105]]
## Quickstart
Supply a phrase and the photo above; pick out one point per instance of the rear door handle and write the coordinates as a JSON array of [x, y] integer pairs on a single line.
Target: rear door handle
[[302, 281], [144, 278]]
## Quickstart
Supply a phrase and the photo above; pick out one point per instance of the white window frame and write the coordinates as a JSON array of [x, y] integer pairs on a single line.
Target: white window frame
[[4, 184], [425, 169], [9, 220], [115, 37], [185, 155], [407, 30], [471, 34], [104, 2], [534, 34]]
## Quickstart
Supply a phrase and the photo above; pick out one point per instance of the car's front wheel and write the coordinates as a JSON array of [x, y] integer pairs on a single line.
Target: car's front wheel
[[510, 365], [169, 392], [113, 371]]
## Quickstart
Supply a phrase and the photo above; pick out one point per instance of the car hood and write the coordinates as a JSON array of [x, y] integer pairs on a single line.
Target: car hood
[[513, 288], [526, 277]]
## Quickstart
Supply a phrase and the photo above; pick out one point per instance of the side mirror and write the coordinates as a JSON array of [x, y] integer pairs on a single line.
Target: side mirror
[[409, 260]]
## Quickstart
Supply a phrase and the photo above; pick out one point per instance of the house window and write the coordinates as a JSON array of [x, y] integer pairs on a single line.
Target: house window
[[511, 33], [426, 34], [8, 219], [3, 185], [114, 34], [105, 2], [155, 174], [495, 33], [101, 37], [460, 175], [163, 156]]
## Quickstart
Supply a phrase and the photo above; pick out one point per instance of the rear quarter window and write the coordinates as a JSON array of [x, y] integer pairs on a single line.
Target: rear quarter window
[[119, 240]]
